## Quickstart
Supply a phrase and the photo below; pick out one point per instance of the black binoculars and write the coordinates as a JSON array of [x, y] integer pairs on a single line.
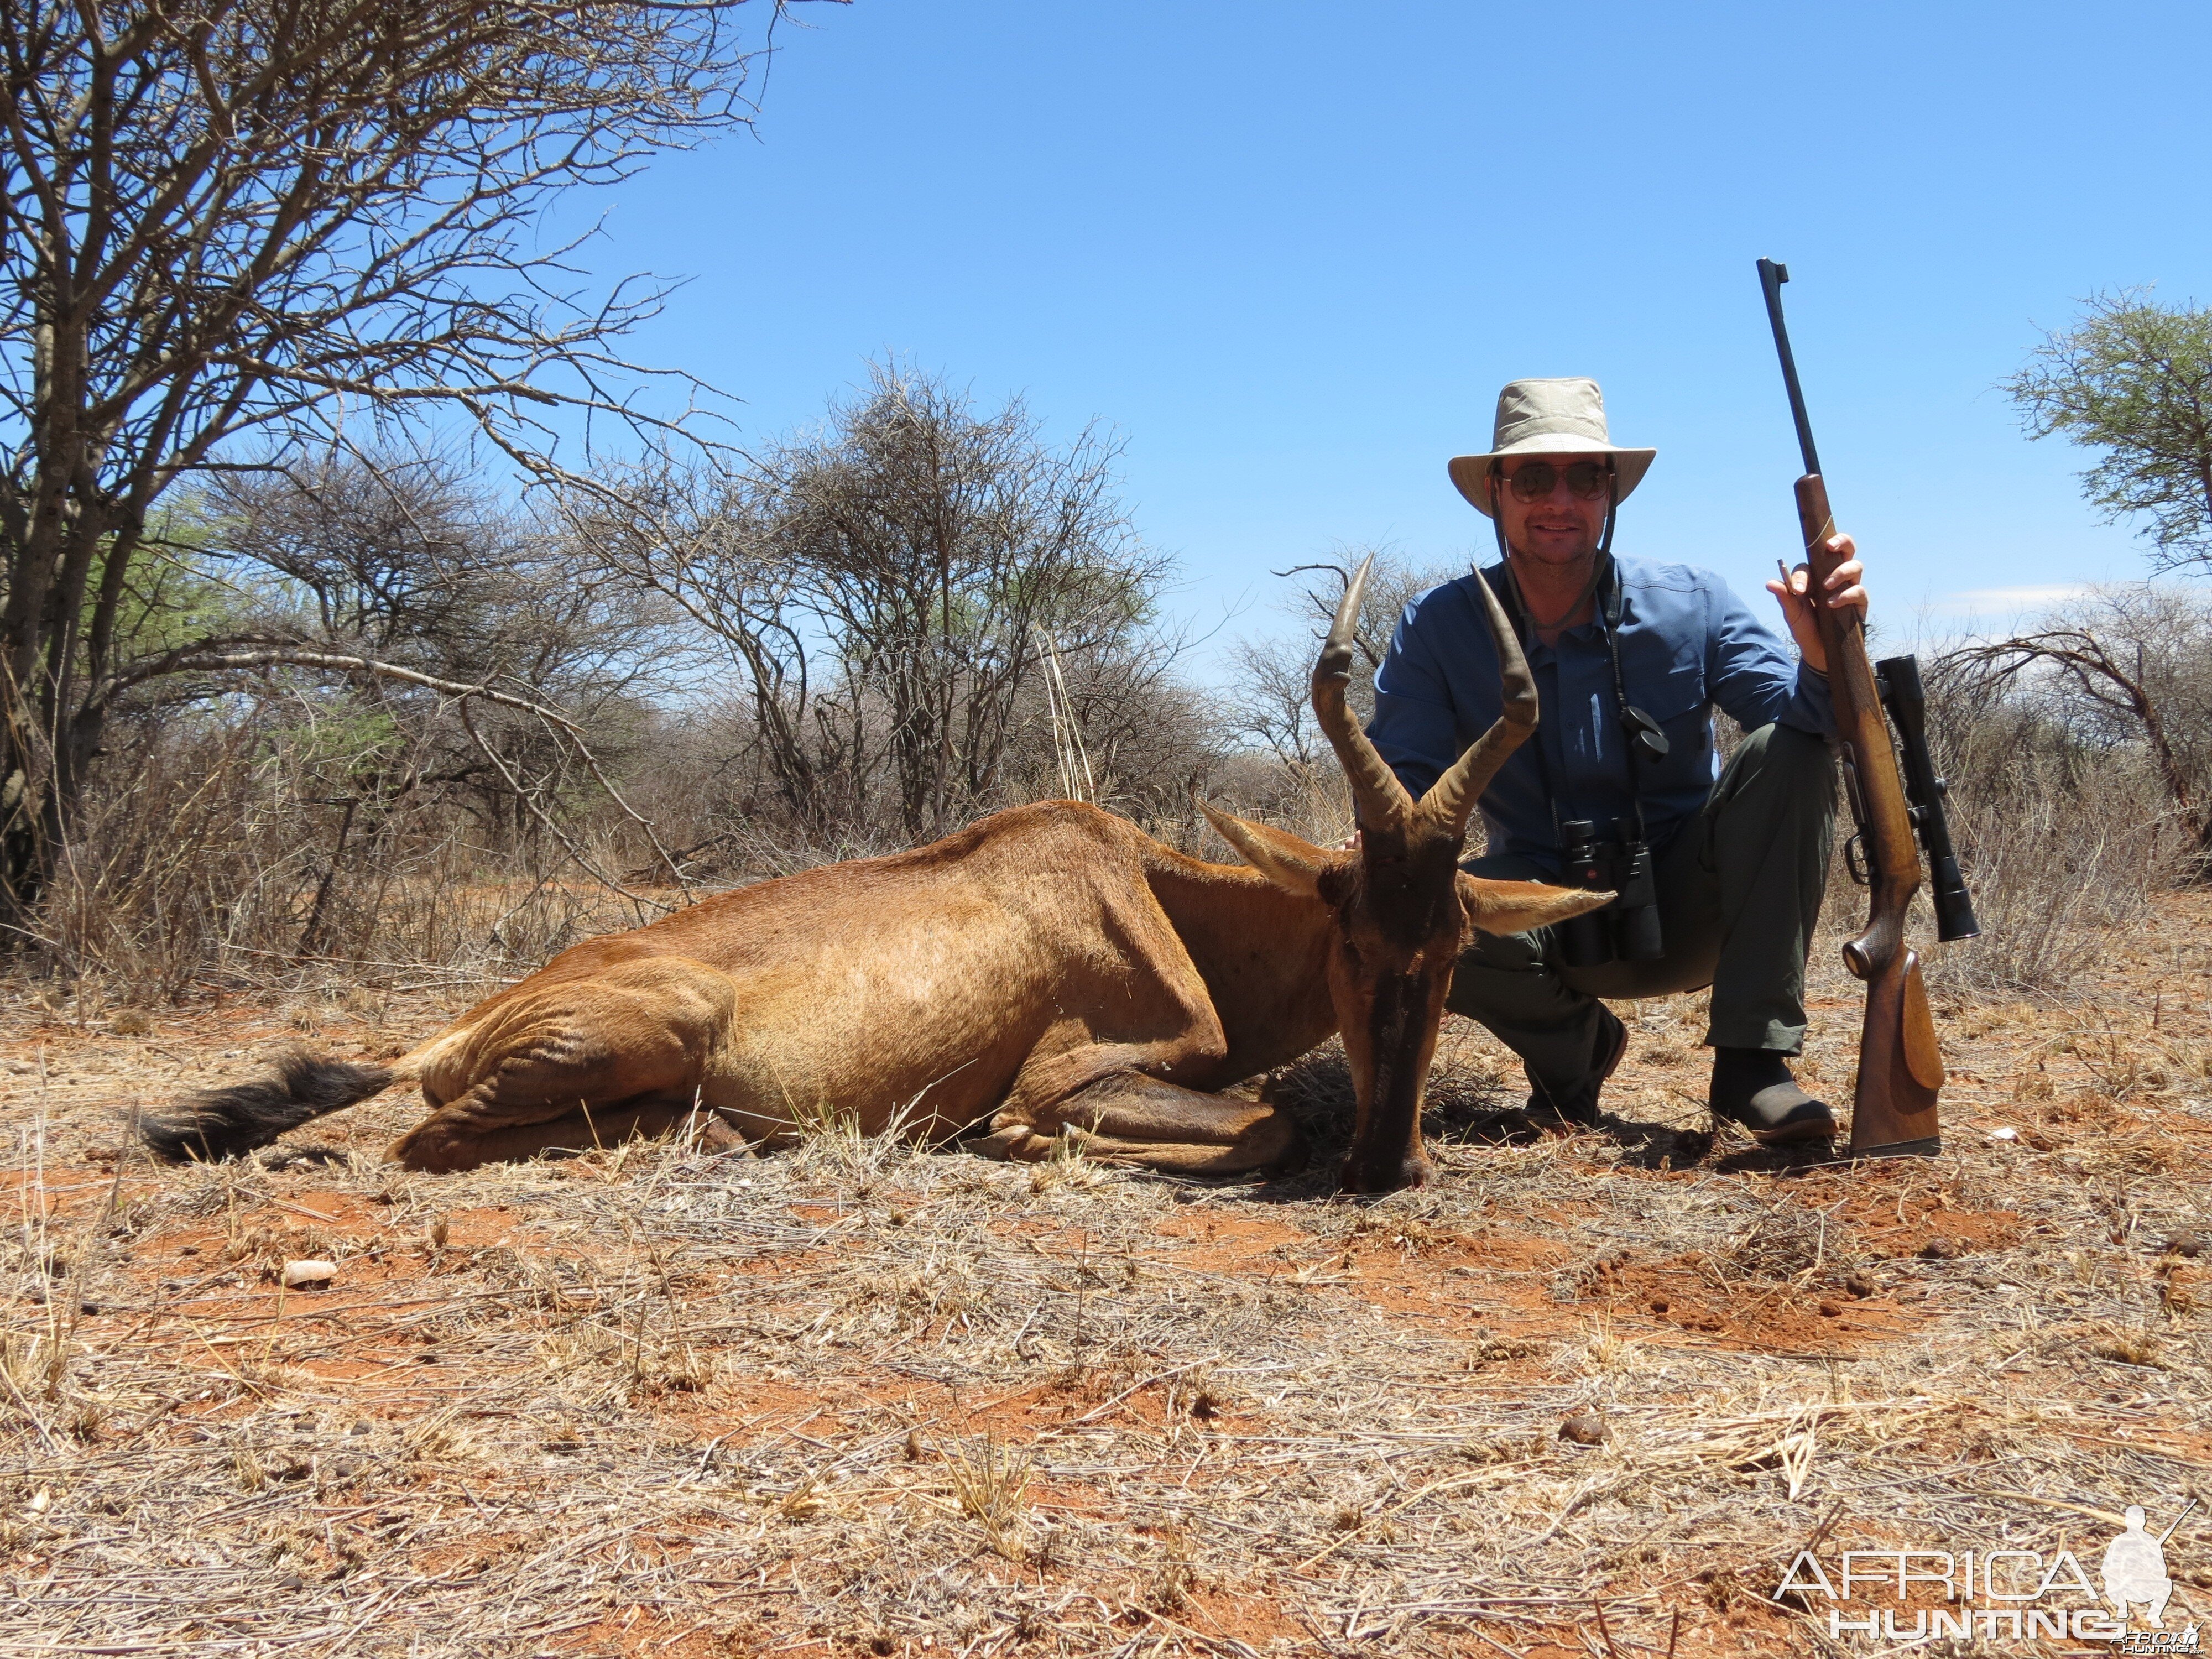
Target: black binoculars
[[1627, 930]]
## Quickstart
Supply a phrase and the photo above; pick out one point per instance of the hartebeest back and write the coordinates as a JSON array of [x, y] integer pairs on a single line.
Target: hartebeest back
[[1050, 974]]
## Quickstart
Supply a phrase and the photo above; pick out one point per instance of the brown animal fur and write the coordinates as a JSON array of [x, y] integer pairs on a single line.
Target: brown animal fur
[[1052, 968]]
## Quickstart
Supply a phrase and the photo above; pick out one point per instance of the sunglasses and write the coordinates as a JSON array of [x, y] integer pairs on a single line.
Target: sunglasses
[[1587, 481]]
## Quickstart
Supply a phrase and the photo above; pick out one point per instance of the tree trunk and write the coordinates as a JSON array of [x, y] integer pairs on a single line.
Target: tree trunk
[[53, 704]]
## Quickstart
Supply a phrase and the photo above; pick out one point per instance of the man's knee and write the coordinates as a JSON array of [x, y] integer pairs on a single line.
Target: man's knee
[[1489, 966], [1793, 760], [1503, 953], [1507, 976], [1775, 746]]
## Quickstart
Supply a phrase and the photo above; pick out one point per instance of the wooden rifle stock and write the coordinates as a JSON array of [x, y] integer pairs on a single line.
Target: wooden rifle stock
[[1900, 1067]]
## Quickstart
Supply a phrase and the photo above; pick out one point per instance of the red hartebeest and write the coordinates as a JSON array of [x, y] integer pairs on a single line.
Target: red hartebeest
[[1051, 970]]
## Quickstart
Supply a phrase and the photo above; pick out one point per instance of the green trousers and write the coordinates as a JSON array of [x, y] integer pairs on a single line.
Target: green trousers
[[1739, 891]]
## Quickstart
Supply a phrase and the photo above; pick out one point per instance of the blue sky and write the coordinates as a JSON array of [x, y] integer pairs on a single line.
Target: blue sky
[[1291, 251]]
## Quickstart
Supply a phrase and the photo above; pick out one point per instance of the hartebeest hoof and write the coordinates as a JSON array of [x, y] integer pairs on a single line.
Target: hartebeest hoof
[[1373, 1179], [717, 1139], [1269, 1141], [450, 1141]]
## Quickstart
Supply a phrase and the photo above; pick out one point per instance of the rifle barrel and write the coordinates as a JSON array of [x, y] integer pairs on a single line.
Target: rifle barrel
[[1771, 279], [1893, 1108], [2178, 1520]]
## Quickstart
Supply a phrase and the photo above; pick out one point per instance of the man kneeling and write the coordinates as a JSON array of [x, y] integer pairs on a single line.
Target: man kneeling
[[1630, 657]]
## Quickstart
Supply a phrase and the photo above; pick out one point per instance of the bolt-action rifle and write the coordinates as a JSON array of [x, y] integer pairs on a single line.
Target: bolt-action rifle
[[1900, 1068]]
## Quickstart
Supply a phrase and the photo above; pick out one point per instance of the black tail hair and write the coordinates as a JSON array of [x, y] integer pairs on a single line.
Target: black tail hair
[[227, 1122]]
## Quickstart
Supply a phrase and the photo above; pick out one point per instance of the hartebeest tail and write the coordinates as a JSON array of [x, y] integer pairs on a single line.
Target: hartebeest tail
[[228, 1122]]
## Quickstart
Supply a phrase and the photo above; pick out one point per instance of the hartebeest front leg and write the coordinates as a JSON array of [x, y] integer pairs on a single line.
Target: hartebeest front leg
[[1128, 1118], [1132, 1095]]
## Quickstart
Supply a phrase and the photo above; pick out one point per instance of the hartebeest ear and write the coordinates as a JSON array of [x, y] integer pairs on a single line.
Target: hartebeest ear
[[1515, 906], [1290, 862]]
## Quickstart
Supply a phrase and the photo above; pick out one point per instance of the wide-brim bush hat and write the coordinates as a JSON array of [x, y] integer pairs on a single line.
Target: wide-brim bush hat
[[1548, 417]]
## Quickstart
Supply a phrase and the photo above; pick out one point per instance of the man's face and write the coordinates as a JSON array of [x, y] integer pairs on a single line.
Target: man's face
[[1561, 526]]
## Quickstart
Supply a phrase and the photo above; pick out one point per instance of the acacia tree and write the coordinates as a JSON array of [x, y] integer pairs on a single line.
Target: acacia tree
[[2129, 664], [227, 227], [409, 560], [1272, 697], [2134, 379], [890, 588]]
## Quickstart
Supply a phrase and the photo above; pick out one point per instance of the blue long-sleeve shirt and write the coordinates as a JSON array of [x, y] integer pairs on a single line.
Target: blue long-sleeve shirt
[[1687, 646]]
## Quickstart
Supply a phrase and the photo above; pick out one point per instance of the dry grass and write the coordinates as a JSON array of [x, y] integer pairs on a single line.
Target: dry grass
[[848, 1398]]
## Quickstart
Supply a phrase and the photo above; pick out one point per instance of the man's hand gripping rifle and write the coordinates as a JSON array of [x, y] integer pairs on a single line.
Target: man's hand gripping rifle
[[1901, 1069]]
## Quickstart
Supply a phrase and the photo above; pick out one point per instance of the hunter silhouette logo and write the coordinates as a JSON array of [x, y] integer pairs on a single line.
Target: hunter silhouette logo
[[2135, 1567], [2002, 1593]]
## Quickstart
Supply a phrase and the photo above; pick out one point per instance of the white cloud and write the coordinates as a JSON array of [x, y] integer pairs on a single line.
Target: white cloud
[[1984, 601]]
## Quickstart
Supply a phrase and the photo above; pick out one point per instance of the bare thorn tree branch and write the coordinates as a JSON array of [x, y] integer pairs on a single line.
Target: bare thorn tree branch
[[226, 232]]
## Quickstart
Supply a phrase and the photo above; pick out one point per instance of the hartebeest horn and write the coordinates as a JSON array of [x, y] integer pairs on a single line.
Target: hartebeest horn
[[1451, 798], [1379, 801]]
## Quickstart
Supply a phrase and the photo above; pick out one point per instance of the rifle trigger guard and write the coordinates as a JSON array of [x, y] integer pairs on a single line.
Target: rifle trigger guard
[[1855, 859]]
